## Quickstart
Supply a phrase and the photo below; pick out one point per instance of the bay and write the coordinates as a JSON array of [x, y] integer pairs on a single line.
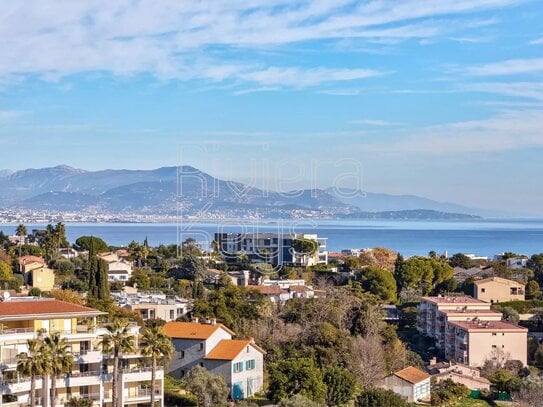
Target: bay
[[481, 237]]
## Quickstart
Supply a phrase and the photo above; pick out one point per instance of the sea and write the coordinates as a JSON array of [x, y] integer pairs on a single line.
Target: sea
[[410, 238]]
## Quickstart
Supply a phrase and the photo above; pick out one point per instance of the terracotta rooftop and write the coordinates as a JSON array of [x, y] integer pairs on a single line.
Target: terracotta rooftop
[[412, 375], [192, 330], [461, 299], [23, 308], [30, 259], [300, 288], [268, 289], [229, 349], [482, 326]]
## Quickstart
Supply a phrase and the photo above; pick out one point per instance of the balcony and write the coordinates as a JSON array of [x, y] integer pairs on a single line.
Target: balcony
[[19, 385], [140, 395], [82, 379], [88, 356], [141, 374]]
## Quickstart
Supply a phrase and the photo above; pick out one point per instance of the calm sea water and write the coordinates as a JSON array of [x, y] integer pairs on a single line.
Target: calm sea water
[[485, 237]]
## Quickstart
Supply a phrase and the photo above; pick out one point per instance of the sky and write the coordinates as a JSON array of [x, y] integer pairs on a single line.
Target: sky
[[442, 99]]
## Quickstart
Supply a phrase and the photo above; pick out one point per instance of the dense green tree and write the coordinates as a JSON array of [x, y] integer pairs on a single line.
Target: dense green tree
[[532, 290], [97, 274], [379, 398], [296, 376], [6, 272], [86, 242], [379, 282], [447, 392], [79, 402], [140, 279], [504, 381], [210, 390], [340, 386], [307, 246], [460, 260]]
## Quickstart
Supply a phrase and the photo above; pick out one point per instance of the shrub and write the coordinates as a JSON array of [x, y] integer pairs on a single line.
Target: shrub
[[379, 398]]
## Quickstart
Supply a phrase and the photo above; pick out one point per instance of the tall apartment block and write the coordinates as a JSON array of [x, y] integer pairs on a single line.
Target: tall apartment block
[[90, 377], [467, 331]]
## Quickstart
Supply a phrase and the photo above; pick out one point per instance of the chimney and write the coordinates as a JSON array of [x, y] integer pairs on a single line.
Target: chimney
[[433, 361], [195, 320], [213, 321]]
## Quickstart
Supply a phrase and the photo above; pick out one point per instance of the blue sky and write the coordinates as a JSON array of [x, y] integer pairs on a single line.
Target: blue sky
[[437, 98]]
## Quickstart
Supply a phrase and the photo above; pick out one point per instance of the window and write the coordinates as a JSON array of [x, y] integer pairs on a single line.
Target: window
[[201, 364], [172, 314], [483, 290], [248, 348], [494, 346], [250, 364], [201, 346], [238, 367], [494, 334], [182, 373], [182, 354]]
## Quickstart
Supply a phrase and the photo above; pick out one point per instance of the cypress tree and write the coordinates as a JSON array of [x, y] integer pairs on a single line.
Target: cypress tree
[[93, 265], [102, 281]]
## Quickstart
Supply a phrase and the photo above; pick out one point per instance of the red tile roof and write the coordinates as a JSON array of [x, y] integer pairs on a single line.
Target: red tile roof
[[485, 326], [412, 375], [229, 349], [21, 308], [30, 259], [192, 330]]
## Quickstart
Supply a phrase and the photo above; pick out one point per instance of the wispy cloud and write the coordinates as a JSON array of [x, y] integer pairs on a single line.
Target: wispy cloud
[[510, 130], [530, 90], [507, 67], [538, 41], [169, 39]]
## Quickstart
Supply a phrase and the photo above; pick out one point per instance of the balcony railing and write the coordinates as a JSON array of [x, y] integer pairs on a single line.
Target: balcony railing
[[142, 370], [17, 331], [138, 393]]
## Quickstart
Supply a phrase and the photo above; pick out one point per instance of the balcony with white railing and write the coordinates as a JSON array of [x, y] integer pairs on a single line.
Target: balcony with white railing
[[86, 356], [140, 395], [82, 379], [141, 374], [19, 385]]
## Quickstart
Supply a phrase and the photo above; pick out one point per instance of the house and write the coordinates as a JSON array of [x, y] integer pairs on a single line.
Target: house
[[118, 269], [275, 293], [474, 342], [89, 377], [461, 274], [516, 263], [412, 384], [458, 373], [275, 249], [210, 345], [69, 252], [36, 274], [497, 289], [150, 305]]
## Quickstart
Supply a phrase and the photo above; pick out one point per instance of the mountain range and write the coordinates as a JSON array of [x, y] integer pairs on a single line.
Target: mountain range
[[168, 190]]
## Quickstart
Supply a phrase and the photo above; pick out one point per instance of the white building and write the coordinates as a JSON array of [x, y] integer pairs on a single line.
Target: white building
[[412, 384], [210, 345], [152, 305], [118, 269], [517, 263], [275, 249]]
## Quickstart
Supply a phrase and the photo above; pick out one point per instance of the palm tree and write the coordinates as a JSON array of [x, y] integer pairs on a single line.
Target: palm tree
[[21, 231], [32, 364], [158, 346], [60, 360], [116, 341]]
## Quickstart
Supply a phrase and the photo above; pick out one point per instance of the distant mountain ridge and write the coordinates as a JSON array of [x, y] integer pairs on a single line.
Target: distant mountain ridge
[[167, 190]]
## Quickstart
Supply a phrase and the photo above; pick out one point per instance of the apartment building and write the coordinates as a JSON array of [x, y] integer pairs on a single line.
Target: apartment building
[[210, 345], [497, 289], [152, 305], [472, 343], [463, 326], [275, 249], [24, 318]]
